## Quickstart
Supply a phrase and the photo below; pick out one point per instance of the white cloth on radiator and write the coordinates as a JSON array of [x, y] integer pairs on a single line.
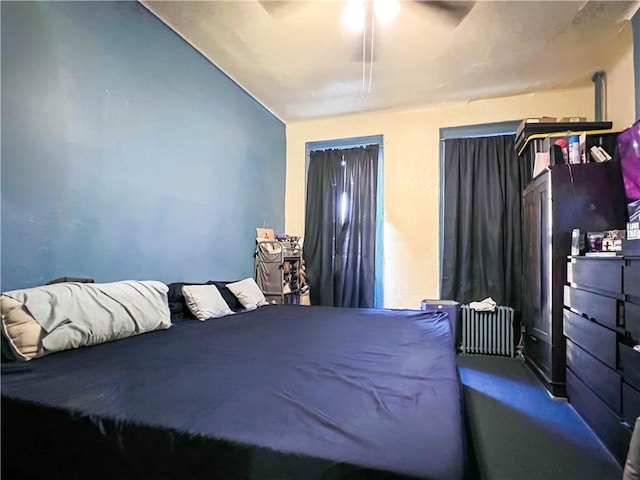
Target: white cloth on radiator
[[486, 305]]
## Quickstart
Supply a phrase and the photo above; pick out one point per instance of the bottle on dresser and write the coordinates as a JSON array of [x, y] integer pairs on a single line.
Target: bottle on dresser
[[574, 149]]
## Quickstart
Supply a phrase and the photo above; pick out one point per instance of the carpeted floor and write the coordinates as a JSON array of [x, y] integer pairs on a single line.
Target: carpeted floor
[[519, 432]]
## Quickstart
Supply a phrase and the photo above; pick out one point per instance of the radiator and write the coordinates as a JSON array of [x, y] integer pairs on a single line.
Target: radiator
[[487, 333]]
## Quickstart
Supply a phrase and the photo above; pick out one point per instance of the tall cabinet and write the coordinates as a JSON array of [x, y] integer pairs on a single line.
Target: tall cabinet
[[588, 196]]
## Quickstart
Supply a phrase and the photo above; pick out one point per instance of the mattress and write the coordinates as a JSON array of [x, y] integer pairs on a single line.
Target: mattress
[[281, 392]]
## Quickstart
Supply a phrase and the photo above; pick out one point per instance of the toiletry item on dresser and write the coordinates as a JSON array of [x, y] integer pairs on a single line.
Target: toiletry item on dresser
[[574, 149], [564, 148]]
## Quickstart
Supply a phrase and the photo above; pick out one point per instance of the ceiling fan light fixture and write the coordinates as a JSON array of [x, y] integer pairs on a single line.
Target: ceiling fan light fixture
[[352, 15], [386, 10]]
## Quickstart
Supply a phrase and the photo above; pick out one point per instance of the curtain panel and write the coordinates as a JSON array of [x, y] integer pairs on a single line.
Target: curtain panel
[[482, 251], [340, 226]]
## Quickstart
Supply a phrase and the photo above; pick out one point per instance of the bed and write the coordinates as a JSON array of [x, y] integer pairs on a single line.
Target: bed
[[280, 392]]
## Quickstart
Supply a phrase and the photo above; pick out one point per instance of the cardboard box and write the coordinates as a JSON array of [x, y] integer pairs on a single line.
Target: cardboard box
[[539, 120], [572, 119], [530, 120], [265, 233]]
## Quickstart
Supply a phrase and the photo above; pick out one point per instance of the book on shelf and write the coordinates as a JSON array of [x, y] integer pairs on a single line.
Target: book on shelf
[[599, 154]]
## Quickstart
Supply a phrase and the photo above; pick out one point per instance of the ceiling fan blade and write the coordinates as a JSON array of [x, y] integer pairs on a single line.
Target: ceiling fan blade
[[452, 12], [282, 8]]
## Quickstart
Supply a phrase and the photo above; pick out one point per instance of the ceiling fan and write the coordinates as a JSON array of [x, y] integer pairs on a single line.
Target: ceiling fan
[[451, 12], [362, 15], [359, 15], [385, 11]]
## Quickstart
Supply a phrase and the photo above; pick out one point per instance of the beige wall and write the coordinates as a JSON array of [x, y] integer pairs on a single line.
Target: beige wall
[[411, 149], [620, 88]]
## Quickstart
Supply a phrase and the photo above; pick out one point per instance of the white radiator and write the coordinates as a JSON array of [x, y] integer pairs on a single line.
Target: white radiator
[[487, 333]]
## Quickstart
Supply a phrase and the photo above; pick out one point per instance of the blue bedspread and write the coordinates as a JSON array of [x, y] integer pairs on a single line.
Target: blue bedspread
[[282, 392]]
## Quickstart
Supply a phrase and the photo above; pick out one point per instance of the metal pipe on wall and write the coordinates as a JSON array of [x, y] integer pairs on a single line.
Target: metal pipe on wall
[[599, 81]]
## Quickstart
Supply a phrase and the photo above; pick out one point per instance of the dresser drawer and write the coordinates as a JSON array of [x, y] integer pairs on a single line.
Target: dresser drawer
[[630, 282], [602, 309], [602, 380], [602, 419], [630, 404], [595, 339], [599, 274], [632, 319], [630, 365]]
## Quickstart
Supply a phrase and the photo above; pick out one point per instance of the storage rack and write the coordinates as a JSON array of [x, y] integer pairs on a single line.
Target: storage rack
[[277, 270]]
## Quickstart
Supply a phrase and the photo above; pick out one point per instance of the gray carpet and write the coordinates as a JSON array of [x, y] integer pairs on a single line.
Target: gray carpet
[[519, 432]]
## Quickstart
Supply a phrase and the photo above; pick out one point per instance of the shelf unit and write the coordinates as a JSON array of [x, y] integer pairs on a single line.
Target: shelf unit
[[532, 131], [540, 142], [277, 270]]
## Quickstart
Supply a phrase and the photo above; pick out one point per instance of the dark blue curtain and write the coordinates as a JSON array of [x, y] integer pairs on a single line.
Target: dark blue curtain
[[340, 226], [482, 250]]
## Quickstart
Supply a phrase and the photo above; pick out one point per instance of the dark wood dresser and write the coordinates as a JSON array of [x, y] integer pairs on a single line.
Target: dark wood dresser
[[601, 319]]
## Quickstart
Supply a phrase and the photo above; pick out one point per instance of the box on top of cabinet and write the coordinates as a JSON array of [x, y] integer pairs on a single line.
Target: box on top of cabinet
[[631, 244]]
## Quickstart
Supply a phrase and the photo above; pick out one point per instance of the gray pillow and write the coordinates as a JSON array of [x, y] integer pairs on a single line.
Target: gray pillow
[[73, 315]]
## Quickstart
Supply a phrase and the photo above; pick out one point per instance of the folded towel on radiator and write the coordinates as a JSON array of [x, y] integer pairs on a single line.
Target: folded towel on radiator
[[486, 305]]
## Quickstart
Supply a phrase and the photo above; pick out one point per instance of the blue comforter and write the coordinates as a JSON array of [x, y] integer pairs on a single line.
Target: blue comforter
[[279, 392]]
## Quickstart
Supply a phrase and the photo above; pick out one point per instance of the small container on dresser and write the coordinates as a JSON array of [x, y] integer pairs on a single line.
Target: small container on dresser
[[601, 325]]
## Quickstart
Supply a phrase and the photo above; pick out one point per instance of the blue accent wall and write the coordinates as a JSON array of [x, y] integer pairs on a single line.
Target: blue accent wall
[[125, 153]]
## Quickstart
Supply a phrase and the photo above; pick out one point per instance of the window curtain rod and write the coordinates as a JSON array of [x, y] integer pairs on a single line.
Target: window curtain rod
[[347, 147]]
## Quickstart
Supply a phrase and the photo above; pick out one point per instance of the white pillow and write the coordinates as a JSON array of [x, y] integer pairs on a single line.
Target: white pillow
[[41, 320], [205, 301], [21, 330], [248, 293]]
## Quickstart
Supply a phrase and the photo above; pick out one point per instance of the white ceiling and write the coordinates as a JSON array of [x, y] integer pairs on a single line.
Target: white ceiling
[[297, 59]]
